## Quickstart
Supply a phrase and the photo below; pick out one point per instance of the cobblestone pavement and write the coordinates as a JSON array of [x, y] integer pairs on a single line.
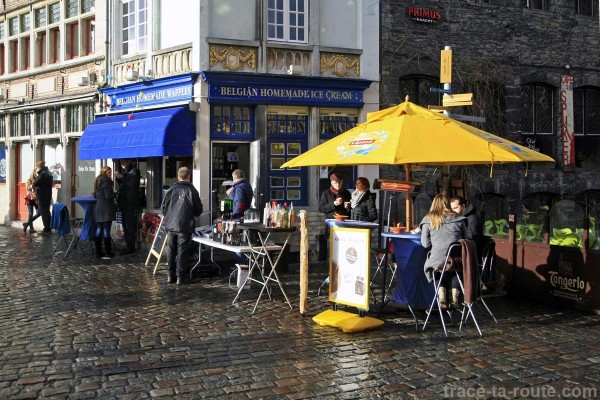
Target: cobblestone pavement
[[86, 328]]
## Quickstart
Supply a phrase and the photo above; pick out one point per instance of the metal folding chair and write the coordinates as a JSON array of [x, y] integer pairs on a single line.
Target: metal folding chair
[[61, 223], [488, 273]]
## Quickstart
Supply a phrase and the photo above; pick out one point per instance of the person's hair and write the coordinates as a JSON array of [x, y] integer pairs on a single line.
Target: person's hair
[[184, 173], [103, 173], [40, 164], [461, 200], [440, 208], [364, 181], [238, 174]]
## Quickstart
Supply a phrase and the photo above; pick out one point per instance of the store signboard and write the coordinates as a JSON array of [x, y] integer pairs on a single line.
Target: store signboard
[[567, 123], [349, 267]]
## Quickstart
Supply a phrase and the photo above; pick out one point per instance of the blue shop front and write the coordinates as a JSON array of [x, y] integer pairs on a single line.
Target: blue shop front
[[259, 121]]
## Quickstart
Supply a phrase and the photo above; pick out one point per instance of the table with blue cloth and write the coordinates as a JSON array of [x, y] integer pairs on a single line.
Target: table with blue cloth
[[88, 225], [412, 287]]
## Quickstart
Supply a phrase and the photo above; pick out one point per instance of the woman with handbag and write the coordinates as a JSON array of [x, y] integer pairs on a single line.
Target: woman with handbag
[[31, 201], [105, 212]]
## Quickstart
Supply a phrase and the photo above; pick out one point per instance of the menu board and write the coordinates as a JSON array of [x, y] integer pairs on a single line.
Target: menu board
[[349, 266], [158, 245]]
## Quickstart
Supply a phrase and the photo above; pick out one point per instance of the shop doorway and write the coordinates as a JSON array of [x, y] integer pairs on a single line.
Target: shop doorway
[[25, 166], [226, 157]]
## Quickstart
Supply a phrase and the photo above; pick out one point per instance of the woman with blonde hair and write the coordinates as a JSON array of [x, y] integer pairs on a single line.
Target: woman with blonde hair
[[106, 211], [31, 201], [439, 229]]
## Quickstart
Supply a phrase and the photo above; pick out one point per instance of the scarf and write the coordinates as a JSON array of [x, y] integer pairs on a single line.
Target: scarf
[[334, 191], [356, 198]]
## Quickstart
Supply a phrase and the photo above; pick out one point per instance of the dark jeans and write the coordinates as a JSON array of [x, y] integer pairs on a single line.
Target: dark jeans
[[103, 229], [44, 210], [32, 216], [178, 244], [450, 280], [130, 228]]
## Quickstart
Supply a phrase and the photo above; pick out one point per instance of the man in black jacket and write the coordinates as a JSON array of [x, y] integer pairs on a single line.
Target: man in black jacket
[[43, 186], [180, 208], [474, 228], [128, 200]]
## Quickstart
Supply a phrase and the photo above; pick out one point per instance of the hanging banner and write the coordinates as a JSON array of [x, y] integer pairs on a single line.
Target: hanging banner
[[567, 125]]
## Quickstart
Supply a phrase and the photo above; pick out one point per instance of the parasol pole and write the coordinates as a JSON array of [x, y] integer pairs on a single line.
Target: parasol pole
[[408, 202], [303, 262]]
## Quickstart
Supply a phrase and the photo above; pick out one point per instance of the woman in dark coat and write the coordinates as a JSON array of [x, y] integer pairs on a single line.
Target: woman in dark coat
[[362, 202], [105, 212]]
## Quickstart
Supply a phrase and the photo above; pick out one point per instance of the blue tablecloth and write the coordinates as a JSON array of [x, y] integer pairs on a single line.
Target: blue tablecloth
[[89, 225], [350, 223], [412, 287]]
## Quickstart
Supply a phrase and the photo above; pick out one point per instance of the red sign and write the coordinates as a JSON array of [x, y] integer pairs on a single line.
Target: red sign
[[567, 124], [424, 14]]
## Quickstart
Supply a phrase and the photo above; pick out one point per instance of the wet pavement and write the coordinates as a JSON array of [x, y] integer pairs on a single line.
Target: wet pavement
[[80, 327]]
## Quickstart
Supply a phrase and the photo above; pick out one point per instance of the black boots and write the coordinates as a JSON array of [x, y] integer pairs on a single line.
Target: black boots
[[98, 244], [108, 248]]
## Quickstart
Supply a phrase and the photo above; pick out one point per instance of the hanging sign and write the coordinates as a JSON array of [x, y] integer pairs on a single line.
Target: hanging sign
[[446, 67], [567, 125]]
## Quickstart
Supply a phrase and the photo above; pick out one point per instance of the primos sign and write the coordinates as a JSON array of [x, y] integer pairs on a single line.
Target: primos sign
[[424, 15]]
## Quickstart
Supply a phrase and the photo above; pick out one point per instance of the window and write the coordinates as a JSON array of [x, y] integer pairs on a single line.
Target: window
[[586, 105], [134, 29], [2, 127], [13, 56], [54, 46], [536, 4], [87, 6], [13, 26], [40, 122], [228, 122], [25, 23], [40, 45], [54, 13], [88, 36], [25, 52], [2, 30], [73, 118], [417, 88], [27, 124], [55, 120], [587, 7], [2, 59], [88, 114], [286, 139], [14, 125], [287, 20], [72, 8], [72, 40], [536, 109], [331, 124], [40, 17]]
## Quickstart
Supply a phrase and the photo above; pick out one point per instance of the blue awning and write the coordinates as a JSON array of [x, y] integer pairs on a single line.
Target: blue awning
[[157, 133]]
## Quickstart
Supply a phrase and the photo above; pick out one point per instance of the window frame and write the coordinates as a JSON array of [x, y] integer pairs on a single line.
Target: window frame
[[131, 46], [534, 107], [224, 117], [583, 108], [532, 5], [594, 6]]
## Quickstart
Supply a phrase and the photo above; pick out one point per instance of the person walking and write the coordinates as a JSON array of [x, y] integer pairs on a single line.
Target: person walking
[[31, 202], [180, 206], [105, 211], [240, 193], [128, 178], [43, 187]]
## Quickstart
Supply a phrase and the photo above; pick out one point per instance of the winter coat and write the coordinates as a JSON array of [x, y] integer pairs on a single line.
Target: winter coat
[[180, 207], [474, 227], [241, 194], [106, 209], [326, 203], [365, 210], [129, 189], [453, 228], [43, 185]]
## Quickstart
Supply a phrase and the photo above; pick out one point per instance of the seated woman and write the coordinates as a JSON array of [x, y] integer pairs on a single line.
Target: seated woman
[[439, 229], [362, 202]]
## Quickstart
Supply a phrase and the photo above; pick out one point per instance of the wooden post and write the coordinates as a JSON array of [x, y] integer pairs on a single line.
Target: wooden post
[[303, 262], [408, 200]]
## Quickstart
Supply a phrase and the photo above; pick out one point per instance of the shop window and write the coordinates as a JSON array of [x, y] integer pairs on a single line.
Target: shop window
[[40, 48], [73, 118], [586, 105], [54, 12], [55, 120], [417, 88], [232, 121], [287, 20], [537, 102], [587, 7], [72, 40], [134, 26], [332, 125], [536, 4], [39, 17], [286, 139]]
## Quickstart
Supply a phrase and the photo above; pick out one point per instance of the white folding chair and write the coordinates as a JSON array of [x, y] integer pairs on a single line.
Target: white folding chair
[[487, 273]]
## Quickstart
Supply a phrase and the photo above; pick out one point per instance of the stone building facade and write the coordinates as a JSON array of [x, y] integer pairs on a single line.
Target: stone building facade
[[512, 55]]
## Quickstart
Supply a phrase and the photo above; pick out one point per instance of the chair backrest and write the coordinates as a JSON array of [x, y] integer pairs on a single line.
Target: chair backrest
[[60, 220], [488, 258]]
